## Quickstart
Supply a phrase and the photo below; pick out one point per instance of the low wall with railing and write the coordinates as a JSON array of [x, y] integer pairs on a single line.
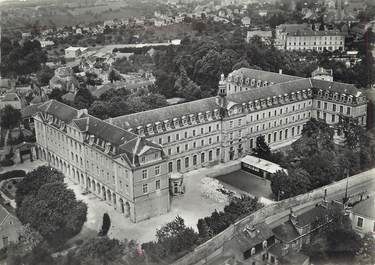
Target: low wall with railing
[[270, 213]]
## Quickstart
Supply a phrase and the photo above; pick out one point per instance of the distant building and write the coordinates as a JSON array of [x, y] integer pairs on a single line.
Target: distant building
[[10, 228], [363, 217], [265, 36], [246, 21], [11, 99], [323, 74], [74, 52], [301, 37]]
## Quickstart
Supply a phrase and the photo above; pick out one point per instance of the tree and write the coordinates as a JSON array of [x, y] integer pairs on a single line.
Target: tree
[[289, 184], [172, 238], [366, 254], [56, 94], [185, 87], [113, 76], [105, 225], [355, 135], [44, 75], [262, 149], [10, 118], [99, 109], [83, 99], [203, 229], [54, 212], [33, 180]]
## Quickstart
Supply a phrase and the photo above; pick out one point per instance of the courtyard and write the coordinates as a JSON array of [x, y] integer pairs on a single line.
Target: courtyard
[[249, 183], [191, 206]]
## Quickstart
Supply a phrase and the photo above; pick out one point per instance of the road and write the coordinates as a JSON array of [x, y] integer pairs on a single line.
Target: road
[[353, 189]]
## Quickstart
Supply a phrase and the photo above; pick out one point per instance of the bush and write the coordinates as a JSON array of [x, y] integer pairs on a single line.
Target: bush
[[6, 163], [12, 174]]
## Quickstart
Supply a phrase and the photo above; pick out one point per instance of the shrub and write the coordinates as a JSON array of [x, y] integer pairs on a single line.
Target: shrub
[[12, 174], [6, 163]]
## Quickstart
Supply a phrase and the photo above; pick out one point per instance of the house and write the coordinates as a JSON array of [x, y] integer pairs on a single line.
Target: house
[[265, 36], [362, 216], [73, 52], [11, 99], [10, 227], [246, 21]]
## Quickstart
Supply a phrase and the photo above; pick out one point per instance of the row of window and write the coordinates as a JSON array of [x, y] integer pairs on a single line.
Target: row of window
[[145, 187], [334, 107], [194, 145], [186, 134], [194, 160]]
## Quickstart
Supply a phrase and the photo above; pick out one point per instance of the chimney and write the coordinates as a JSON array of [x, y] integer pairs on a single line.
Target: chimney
[[280, 71]]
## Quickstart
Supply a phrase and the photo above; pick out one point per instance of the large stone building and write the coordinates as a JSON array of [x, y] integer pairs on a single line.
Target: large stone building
[[128, 160], [302, 37]]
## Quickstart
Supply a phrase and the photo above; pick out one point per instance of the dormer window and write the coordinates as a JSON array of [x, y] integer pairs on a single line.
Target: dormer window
[[216, 113], [293, 96], [309, 92], [350, 99], [158, 126], [200, 117], [252, 82], [259, 83], [150, 130], [342, 97], [192, 118], [184, 120], [208, 115], [263, 103], [140, 130], [269, 101], [92, 139], [251, 105], [265, 83], [304, 94], [274, 100], [176, 123], [335, 96], [286, 97], [299, 95], [257, 104], [264, 244], [167, 124], [244, 106], [247, 81], [107, 148], [320, 93], [326, 95], [252, 251]]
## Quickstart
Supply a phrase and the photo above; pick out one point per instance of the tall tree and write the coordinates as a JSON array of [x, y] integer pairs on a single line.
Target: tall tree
[[54, 212], [262, 149], [105, 225]]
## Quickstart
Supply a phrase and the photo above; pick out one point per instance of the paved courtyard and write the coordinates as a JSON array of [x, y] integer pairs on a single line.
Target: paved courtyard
[[191, 206], [249, 183]]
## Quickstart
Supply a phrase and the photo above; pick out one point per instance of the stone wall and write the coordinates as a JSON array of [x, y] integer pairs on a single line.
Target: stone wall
[[270, 213]]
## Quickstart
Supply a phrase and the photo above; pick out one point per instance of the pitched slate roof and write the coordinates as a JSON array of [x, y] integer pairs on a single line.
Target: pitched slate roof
[[10, 97], [308, 217], [270, 91], [30, 110], [338, 87], [60, 110], [128, 143], [165, 113], [264, 75], [365, 208]]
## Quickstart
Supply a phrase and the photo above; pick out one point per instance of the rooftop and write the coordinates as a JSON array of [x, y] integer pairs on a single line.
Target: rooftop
[[264, 75], [246, 240], [365, 208], [262, 164], [286, 232]]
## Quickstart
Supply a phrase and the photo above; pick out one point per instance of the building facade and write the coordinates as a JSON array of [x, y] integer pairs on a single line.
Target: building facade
[[302, 37], [125, 170], [362, 216], [128, 160]]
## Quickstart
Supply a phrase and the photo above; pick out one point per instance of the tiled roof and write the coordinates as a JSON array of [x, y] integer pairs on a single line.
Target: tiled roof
[[245, 242], [30, 110], [165, 113], [264, 75], [286, 232], [3, 214], [308, 217], [365, 208]]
